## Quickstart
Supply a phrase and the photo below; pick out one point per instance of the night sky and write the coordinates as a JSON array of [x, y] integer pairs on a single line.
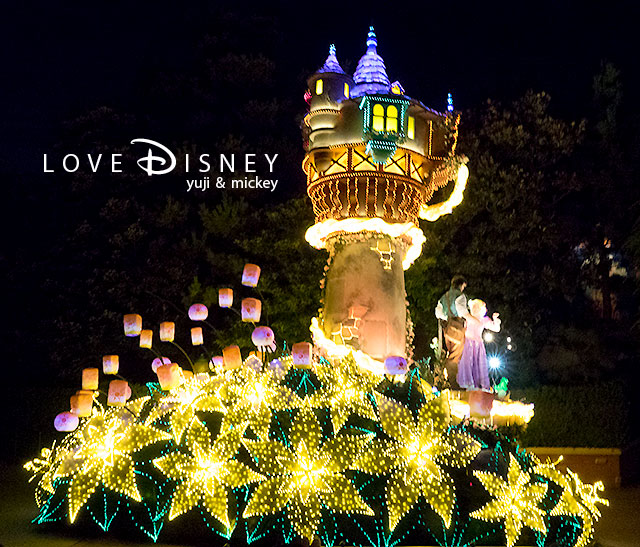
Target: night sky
[[60, 59]]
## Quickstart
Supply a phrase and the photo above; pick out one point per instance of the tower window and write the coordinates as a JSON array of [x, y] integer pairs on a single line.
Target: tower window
[[392, 119], [346, 90], [319, 87], [378, 117], [411, 127]]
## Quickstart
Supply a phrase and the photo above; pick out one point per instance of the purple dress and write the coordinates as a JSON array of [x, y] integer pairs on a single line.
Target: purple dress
[[473, 372]]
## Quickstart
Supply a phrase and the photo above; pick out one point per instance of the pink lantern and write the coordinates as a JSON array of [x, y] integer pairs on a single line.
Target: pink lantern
[[132, 324], [167, 331], [119, 392], [110, 364], [146, 338], [251, 310], [250, 275], [225, 298], [216, 363], [198, 312], [263, 337], [66, 421], [82, 403], [187, 374], [232, 357], [196, 336], [301, 353], [169, 376], [90, 378], [157, 362], [395, 364]]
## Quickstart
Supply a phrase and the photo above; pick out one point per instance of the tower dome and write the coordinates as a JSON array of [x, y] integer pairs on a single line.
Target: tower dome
[[371, 74], [331, 64]]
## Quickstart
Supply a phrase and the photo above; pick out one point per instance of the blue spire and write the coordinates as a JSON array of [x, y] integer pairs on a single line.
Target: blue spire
[[332, 64], [449, 102], [372, 41], [371, 74]]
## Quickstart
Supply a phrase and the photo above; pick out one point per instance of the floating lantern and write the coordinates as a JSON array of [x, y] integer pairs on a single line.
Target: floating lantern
[[232, 357], [146, 338], [263, 337], [187, 374], [157, 362], [198, 312], [167, 331], [301, 353], [66, 421], [216, 363], [119, 392], [225, 298], [132, 324], [90, 378], [82, 403], [196, 336], [251, 309], [110, 364], [202, 376], [169, 376], [250, 275], [395, 364]]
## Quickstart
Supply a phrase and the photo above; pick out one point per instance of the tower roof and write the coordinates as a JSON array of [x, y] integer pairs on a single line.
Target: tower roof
[[371, 74], [332, 64]]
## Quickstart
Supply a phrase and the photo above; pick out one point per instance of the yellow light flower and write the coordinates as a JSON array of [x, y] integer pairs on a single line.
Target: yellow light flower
[[206, 473], [102, 456], [306, 475], [345, 390], [251, 398], [182, 403], [515, 501], [577, 499], [415, 454]]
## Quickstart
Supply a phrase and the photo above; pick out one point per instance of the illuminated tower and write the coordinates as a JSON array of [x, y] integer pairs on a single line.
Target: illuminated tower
[[374, 158]]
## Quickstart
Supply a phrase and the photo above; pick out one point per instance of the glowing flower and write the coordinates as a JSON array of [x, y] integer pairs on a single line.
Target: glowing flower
[[182, 403], [577, 499], [415, 455], [102, 455], [306, 475], [346, 390], [251, 398], [206, 473], [515, 501], [44, 467]]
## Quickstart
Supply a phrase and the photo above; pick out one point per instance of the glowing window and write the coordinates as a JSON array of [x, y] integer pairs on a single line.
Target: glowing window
[[378, 117], [392, 119], [319, 87], [346, 90], [411, 127]]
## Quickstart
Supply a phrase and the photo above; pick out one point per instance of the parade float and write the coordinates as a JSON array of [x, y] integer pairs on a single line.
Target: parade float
[[343, 441]]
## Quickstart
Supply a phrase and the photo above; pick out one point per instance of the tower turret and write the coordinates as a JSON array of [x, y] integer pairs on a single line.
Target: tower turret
[[374, 160]]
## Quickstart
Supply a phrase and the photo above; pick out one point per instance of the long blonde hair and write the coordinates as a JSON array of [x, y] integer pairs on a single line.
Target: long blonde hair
[[476, 304]]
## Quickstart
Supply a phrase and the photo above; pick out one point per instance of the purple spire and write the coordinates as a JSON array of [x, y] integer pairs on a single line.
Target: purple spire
[[332, 64], [371, 74]]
